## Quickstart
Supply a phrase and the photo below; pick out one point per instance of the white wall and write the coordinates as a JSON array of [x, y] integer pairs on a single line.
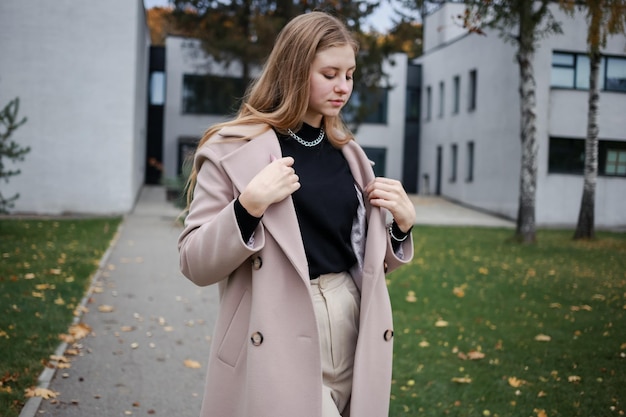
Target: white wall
[[80, 72], [495, 124], [563, 113]]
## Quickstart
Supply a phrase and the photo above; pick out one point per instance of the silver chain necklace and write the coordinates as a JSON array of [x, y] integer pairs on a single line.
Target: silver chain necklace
[[304, 142]]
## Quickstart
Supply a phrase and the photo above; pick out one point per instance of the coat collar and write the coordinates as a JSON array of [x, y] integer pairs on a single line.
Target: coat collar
[[280, 219]]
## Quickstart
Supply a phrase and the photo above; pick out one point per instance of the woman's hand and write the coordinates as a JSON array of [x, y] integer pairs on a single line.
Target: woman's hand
[[272, 184], [390, 194]]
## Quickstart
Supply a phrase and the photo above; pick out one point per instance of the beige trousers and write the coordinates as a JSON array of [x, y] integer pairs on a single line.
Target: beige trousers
[[337, 304]]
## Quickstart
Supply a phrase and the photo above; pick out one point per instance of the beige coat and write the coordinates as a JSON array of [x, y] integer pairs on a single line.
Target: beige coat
[[265, 355]]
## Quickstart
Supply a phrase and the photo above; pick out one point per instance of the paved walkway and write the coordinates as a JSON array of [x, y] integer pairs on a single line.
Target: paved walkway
[[152, 327]]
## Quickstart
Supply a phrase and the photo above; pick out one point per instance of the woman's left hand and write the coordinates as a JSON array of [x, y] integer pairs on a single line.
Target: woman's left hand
[[390, 194]]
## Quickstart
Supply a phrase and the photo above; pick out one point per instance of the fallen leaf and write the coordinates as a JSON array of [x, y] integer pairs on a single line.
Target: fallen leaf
[[475, 355], [516, 382], [441, 323], [542, 338], [462, 380], [79, 330], [104, 308], [40, 392], [540, 412], [410, 297], [189, 363], [574, 378], [424, 343]]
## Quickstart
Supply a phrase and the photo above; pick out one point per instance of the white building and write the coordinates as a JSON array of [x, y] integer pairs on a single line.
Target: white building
[[470, 135], [195, 101], [80, 71]]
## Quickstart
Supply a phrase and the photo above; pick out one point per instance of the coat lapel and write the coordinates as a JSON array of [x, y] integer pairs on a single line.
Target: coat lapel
[[280, 219]]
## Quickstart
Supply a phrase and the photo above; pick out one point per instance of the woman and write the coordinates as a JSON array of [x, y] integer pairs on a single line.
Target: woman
[[287, 216]]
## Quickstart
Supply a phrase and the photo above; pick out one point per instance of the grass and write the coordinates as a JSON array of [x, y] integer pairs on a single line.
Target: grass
[[549, 319], [45, 271], [468, 292]]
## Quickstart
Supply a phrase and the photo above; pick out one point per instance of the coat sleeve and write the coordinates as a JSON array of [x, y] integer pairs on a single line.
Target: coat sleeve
[[403, 255], [211, 246]]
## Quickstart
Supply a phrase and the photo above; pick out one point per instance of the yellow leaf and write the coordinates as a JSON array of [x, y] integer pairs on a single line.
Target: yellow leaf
[[424, 343], [189, 363], [37, 294], [40, 392], [441, 323], [59, 301], [462, 380], [410, 297], [574, 378], [540, 412], [483, 270], [30, 275], [475, 355], [104, 308], [79, 330], [55, 271], [515, 382], [542, 338]]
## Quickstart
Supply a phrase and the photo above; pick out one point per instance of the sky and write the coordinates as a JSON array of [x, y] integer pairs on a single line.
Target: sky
[[380, 20]]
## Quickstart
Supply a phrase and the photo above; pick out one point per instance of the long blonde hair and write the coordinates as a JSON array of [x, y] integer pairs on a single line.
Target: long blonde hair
[[279, 97]]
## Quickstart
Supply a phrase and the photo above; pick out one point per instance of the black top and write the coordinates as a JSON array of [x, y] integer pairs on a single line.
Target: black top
[[325, 204]]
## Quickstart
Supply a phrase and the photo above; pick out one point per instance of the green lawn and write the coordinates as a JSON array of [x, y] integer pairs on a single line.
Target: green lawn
[[549, 319], [468, 312], [45, 271]]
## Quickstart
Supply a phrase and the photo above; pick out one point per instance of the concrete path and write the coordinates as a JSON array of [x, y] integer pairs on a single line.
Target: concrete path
[[151, 327], [134, 362]]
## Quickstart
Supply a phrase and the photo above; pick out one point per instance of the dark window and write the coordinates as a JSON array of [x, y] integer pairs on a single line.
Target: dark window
[[570, 70], [210, 94], [371, 104], [470, 162], [377, 155], [441, 98], [412, 104], [429, 102], [567, 156], [453, 162], [456, 94], [472, 85]]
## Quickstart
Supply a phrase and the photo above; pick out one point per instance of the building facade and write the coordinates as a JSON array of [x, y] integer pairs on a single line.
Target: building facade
[[80, 72], [199, 93], [470, 147]]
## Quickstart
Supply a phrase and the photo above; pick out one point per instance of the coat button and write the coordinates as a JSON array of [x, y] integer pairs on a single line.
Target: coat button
[[388, 335], [256, 338], [257, 263]]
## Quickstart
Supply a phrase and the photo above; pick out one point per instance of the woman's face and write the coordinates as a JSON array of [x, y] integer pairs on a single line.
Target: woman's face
[[330, 83]]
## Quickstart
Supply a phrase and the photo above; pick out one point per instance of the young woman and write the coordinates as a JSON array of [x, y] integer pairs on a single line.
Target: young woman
[[287, 217]]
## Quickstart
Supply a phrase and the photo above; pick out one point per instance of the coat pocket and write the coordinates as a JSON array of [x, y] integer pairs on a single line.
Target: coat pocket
[[236, 335]]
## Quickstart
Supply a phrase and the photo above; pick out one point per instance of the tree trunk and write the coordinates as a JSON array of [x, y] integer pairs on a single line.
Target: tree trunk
[[586, 215], [525, 231]]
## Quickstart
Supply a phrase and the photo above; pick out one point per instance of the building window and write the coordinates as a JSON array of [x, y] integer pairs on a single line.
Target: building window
[[571, 70], [472, 90], [441, 98], [456, 94], [157, 88], [412, 104], [470, 162], [429, 102], [567, 156], [210, 94], [377, 156], [453, 162], [370, 104]]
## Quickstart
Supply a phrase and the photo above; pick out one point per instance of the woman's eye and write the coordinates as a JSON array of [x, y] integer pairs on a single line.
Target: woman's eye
[[329, 76], [349, 77]]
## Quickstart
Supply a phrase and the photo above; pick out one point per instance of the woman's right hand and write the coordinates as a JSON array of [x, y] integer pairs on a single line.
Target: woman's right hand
[[272, 184]]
